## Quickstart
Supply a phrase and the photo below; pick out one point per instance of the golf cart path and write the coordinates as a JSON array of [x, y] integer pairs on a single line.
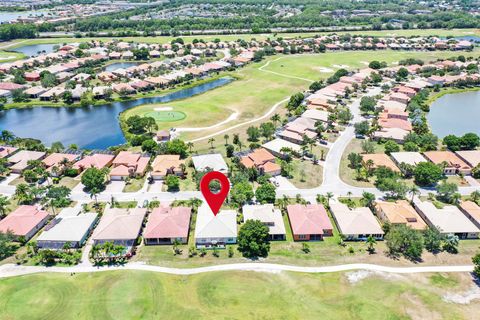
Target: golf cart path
[[12, 270]]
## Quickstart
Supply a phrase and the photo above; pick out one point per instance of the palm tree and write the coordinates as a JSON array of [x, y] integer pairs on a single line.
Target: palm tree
[[226, 137], [349, 195], [190, 146], [211, 141], [7, 136], [475, 196], [329, 196], [4, 203], [283, 202], [413, 190], [371, 242], [275, 118]]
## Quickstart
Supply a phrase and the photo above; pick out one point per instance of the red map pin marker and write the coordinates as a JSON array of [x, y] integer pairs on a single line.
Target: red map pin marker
[[215, 200]]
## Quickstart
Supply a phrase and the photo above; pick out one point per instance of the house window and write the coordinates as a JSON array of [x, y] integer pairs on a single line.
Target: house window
[[302, 236]]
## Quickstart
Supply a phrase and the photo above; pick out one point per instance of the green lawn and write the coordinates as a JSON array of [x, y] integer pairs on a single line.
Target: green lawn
[[306, 175], [225, 295], [7, 56], [134, 185]]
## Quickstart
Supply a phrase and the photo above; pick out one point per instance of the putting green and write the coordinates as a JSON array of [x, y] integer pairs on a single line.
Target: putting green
[[166, 116]]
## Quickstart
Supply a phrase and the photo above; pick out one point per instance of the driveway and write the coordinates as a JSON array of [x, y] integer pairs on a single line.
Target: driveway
[[156, 186], [9, 179], [283, 183], [115, 186]]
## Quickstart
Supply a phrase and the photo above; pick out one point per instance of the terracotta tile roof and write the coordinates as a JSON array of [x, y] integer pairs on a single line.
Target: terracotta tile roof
[[167, 222], [380, 159], [23, 220], [400, 212], [308, 219]]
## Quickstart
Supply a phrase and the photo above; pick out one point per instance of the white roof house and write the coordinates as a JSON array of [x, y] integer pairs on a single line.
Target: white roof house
[[67, 228], [213, 161], [316, 115], [412, 158], [215, 230], [447, 220], [269, 216], [276, 145], [356, 223]]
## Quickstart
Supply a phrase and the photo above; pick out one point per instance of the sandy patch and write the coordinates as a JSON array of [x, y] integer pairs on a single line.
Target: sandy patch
[[416, 310], [163, 109], [324, 70], [463, 297], [341, 66], [364, 63], [357, 276], [395, 62]]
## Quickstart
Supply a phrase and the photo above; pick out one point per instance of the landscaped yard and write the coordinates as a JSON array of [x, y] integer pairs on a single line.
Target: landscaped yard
[[134, 185], [306, 175], [232, 295]]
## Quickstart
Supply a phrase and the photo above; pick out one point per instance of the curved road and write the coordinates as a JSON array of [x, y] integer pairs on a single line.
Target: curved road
[[11, 270]]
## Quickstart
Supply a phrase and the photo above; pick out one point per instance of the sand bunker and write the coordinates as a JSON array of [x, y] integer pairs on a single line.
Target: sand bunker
[[163, 109], [324, 70], [341, 66]]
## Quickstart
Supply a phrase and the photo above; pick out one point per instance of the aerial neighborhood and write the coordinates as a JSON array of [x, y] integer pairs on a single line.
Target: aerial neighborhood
[[113, 203]]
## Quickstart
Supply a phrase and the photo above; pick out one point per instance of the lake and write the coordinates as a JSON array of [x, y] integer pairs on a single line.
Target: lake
[[95, 127], [35, 49], [455, 114], [123, 65], [7, 16]]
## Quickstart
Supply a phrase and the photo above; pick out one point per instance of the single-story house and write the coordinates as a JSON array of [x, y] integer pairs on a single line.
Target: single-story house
[[162, 136], [411, 158], [215, 230], [453, 163], [380, 160], [472, 211], [19, 160], [356, 223], [211, 161], [35, 92], [276, 147], [6, 151], [309, 222], [24, 222], [167, 224], [97, 160], [448, 220], [166, 164], [120, 226], [471, 157], [269, 216], [55, 160], [73, 229], [399, 212]]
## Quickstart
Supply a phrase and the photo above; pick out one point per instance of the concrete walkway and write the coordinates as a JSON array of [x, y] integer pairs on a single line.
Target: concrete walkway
[[11, 270]]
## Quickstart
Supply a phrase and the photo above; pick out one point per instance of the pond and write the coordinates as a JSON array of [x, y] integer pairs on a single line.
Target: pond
[[95, 127], [35, 49], [455, 114], [7, 16], [117, 65]]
